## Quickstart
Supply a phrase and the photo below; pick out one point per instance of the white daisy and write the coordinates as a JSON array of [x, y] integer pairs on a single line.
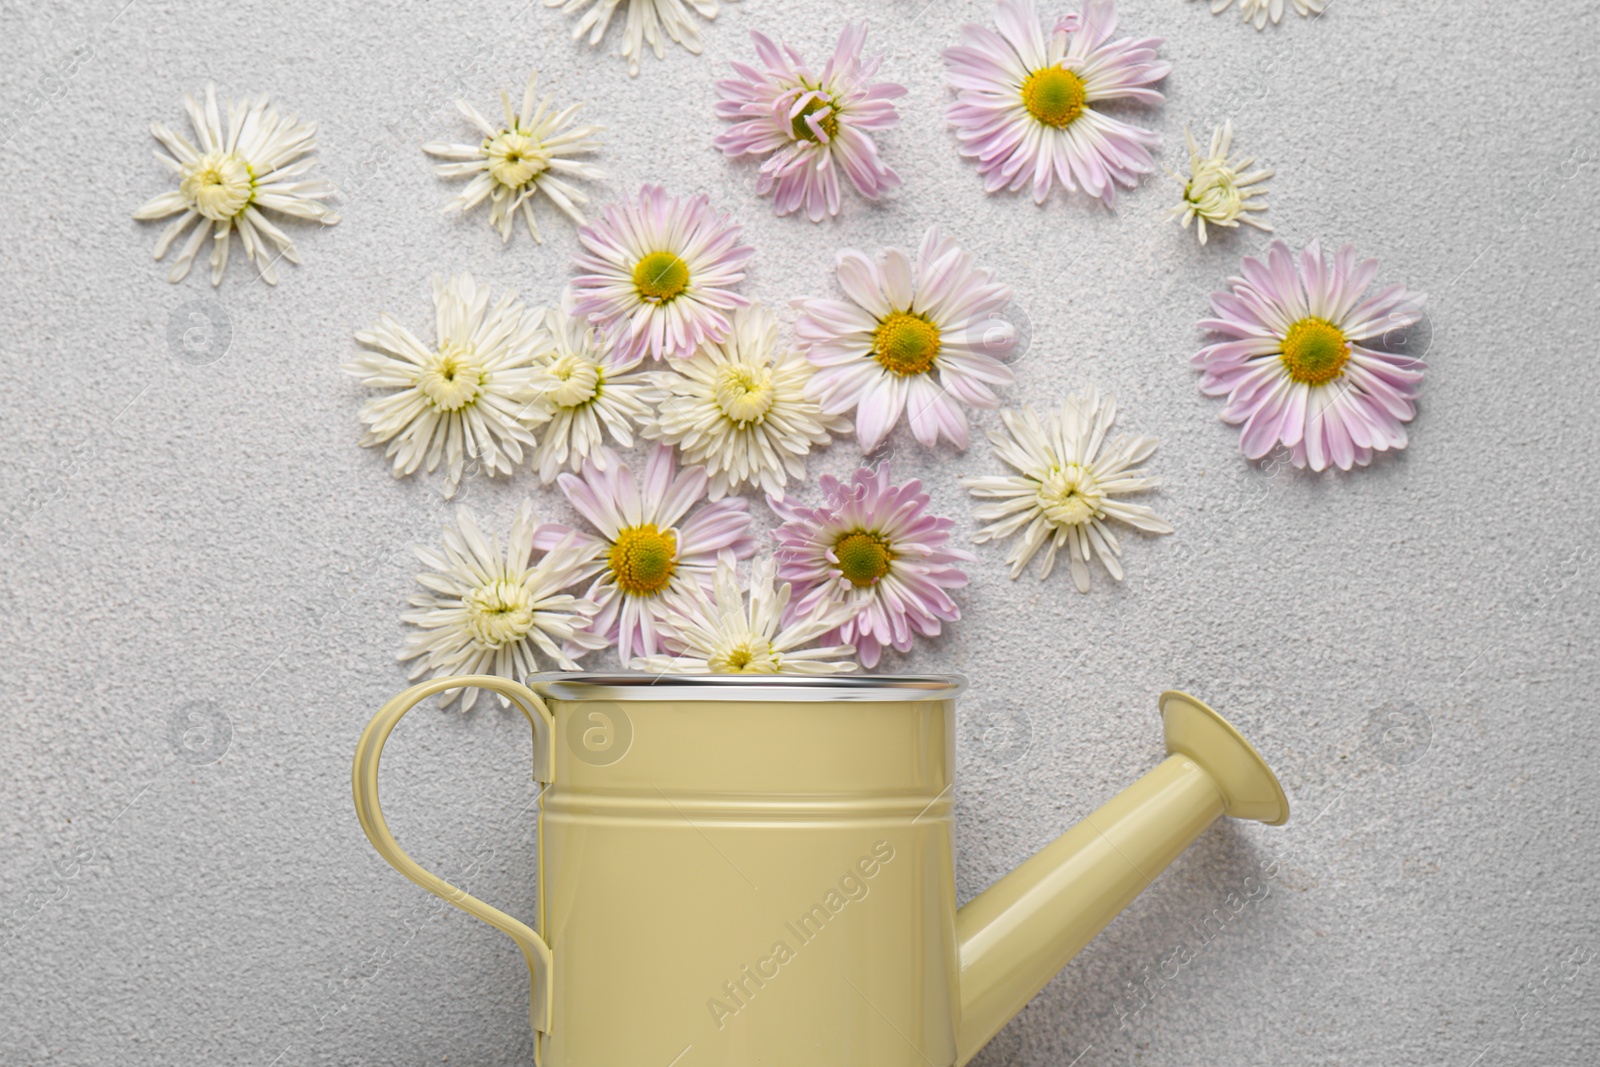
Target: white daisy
[[740, 407], [646, 19], [1218, 190], [531, 154], [1065, 490], [488, 612], [1258, 11], [727, 636], [472, 395], [588, 393], [230, 178]]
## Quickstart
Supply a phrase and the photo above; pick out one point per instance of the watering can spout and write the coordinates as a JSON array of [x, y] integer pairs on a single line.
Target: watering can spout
[[1017, 934]]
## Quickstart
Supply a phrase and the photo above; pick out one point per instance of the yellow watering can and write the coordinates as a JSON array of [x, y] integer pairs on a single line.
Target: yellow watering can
[[744, 869]]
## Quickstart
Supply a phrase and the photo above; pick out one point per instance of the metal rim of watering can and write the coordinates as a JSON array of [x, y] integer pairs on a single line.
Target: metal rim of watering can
[[638, 685]]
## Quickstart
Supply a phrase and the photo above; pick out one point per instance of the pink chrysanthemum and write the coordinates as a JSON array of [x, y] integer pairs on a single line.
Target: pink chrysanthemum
[[920, 342], [873, 547], [1024, 100], [642, 551], [806, 123], [1293, 367], [658, 274]]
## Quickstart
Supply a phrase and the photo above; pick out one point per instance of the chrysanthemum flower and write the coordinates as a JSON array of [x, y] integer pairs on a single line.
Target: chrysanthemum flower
[[1218, 189], [659, 274], [492, 612], [920, 342], [471, 394], [1258, 11], [587, 392], [806, 123], [531, 153], [741, 409], [1066, 488], [1294, 368], [724, 635], [231, 178], [1024, 100], [646, 19], [873, 547], [642, 552]]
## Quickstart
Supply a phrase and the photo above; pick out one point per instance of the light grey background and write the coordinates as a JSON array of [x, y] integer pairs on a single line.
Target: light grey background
[[1412, 646]]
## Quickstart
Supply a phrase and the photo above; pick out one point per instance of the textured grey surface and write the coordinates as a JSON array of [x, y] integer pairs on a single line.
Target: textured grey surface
[[209, 540]]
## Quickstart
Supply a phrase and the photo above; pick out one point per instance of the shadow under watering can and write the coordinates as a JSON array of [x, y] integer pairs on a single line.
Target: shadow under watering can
[[738, 869]]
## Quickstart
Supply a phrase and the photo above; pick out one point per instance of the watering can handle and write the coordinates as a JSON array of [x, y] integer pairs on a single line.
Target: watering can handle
[[364, 781]]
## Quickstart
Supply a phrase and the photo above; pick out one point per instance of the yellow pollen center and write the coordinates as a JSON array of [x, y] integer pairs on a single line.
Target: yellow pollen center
[[643, 558], [219, 185], [577, 382], [744, 393], [1054, 96], [453, 379], [863, 557], [660, 276], [498, 614], [1315, 351], [1070, 496], [515, 159], [906, 343], [829, 122], [750, 656]]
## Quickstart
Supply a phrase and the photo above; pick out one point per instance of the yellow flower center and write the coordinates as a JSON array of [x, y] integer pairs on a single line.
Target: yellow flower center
[[515, 159], [219, 185], [1070, 496], [453, 379], [906, 343], [863, 557], [498, 614], [1214, 191], [1315, 351], [1054, 96], [745, 394], [829, 123], [660, 276], [750, 656], [643, 558], [578, 382]]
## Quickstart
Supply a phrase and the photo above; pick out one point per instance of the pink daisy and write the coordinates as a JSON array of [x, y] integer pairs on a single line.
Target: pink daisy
[[644, 550], [1293, 366], [1024, 100], [658, 273], [873, 547], [805, 123], [919, 341]]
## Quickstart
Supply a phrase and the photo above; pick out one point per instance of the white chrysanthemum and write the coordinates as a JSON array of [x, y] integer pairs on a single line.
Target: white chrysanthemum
[[587, 392], [471, 395], [740, 408], [1218, 189], [1259, 11], [230, 178], [1065, 489], [728, 636], [488, 612], [646, 19], [531, 154]]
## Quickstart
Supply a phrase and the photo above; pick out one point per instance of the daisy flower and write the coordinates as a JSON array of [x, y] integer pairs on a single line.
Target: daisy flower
[[490, 612], [724, 635], [1066, 486], [531, 153], [471, 394], [646, 19], [741, 409], [1024, 100], [1295, 365], [1218, 189], [646, 548], [805, 123], [658, 274], [588, 393], [873, 548], [920, 342], [230, 178], [1258, 11]]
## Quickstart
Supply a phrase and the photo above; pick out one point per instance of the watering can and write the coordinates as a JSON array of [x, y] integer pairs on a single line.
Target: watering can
[[748, 869]]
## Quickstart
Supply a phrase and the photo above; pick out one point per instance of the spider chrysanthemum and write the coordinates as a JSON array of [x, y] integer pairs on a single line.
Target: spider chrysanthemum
[[742, 409], [1025, 100], [230, 177], [645, 22], [1301, 362], [472, 394], [1257, 12], [1219, 190], [529, 155], [1067, 488]]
